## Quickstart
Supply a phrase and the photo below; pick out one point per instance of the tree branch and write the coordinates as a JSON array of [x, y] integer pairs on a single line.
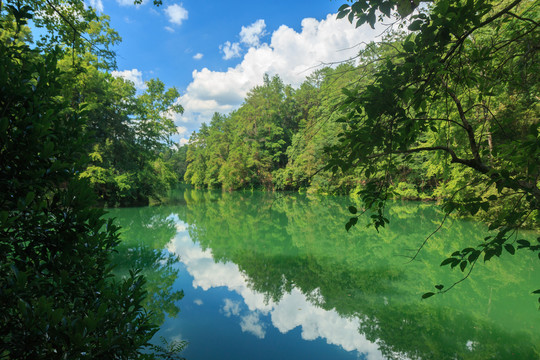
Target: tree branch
[[468, 128], [462, 38]]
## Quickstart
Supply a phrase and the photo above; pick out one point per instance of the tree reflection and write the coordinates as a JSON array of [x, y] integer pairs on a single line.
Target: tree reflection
[[295, 241], [145, 233]]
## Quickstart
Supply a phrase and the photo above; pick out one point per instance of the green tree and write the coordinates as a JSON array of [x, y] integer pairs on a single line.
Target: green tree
[[463, 92], [245, 148], [58, 297]]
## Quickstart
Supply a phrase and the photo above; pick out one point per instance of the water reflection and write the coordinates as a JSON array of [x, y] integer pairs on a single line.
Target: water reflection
[[293, 309], [145, 233], [288, 267]]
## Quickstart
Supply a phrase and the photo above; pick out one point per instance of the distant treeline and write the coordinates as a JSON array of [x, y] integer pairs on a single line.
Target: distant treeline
[[277, 140]]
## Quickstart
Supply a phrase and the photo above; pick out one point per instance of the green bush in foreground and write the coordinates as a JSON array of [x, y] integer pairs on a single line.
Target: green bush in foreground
[[59, 299]]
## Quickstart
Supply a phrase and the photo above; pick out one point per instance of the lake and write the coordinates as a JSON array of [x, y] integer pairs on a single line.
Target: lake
[[277, 276]]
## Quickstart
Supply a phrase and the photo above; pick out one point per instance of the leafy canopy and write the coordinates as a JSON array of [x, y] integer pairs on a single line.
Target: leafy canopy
[[462, 90]]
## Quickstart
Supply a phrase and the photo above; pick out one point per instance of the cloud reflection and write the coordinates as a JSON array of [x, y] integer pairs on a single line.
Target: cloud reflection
[[293, 310]]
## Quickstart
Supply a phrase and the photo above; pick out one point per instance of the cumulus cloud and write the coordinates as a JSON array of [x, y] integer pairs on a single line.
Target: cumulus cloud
[[251, 35], [198, 302], [96, 5], [133, 75], [290, 54], [231, 308], [251, 323], [198, 56], [230, 50], [176, 13], [181, 130]]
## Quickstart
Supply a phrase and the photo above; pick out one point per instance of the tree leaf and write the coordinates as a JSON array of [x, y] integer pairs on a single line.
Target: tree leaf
[[343, 13], [415, 25], [474, 255], [427, 295], [447, 261], [510, 248], [524, 243]]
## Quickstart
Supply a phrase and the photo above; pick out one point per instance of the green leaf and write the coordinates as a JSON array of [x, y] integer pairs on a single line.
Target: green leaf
[[439, 287], [29, 197], [443, 6], [342, 14], [524, 243], [463, 265], [48, 149], [3, 216], [488, 255], [352, 221], [447, 261], [4, 123], [408, 46], [351, 17], [510, 248], [415, 25], [427, 295], [536, 291], [352, 209]]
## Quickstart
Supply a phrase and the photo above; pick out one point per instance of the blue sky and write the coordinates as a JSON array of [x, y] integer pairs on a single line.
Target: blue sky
[[213, 52]]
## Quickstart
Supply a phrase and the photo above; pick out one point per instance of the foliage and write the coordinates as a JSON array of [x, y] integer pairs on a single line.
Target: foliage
[[170, 350], [58, 297], [129, 132], [243, 150], [462, 91], [445, 107]]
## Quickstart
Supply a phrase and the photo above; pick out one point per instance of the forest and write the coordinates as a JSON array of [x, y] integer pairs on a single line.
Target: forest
[[445, 108], [73, 139]]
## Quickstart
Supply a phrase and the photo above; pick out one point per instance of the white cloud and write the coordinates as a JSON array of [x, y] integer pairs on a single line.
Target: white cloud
[[125, 2], [252, 323], [290, 54], [96, 5], [251, 35], [133, 75], [230, 50], [169, 29], [176, 13], [231, 308], [181, 130], [183, 141], [198, 56], [198, 302]]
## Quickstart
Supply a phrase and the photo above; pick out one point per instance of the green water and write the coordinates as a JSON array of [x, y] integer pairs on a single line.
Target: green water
[[269, 276]]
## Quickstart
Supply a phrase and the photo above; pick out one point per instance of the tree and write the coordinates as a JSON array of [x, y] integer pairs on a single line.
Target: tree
[[462, 92], [59, 296]]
